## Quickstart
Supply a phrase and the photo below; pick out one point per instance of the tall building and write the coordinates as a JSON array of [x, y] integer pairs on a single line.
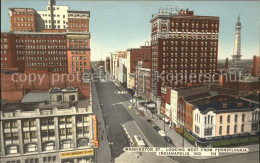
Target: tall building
[[25, 20], [32, 35], [182, 44], [236, 65], [256, 66]]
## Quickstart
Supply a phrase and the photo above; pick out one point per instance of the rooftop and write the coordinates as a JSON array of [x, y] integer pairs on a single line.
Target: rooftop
[[223, 103], [36, 97], [11, 107]]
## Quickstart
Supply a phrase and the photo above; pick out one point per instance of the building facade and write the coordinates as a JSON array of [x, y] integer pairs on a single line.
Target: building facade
[[38, 44], [256, 66], [183, 43], [134, 55], [55, 135]]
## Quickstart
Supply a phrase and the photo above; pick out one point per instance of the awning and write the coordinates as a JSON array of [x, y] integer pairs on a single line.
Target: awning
[[160, 116]]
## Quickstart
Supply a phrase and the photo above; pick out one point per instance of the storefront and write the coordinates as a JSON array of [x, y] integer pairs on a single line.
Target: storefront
[[79, 156]]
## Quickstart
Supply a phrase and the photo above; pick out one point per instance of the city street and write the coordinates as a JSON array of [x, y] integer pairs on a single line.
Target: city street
[[115, 108]]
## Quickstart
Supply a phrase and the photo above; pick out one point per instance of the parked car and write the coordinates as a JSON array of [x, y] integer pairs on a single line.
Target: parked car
[[162, 133], [167, 139], [156, 128], [149, 120]]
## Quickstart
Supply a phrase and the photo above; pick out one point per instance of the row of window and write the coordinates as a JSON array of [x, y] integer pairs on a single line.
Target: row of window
[[187, 49], [235, 119], [23, 13], [228, 129], [46, 64], [78, 69], [45, 58], [79, 63], [186, 43], [77, 26], [60, 41], [52, 52]]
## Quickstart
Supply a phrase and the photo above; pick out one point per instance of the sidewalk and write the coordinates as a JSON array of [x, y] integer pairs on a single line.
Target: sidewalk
[[103, 151], [177, 139]]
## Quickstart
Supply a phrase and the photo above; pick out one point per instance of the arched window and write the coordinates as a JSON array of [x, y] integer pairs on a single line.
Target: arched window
[[31, 148], [12, 149], [221, 119], [228, 127], [242, 128], [243, 117], [83, 142], [66, 144], [48, 146], [235, 128], [236, 118], [220, 130], [228, 118]]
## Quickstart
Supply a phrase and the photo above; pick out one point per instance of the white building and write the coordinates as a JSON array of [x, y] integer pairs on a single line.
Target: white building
[[173, 106], [204, 123], [60, 17], [122, 70]]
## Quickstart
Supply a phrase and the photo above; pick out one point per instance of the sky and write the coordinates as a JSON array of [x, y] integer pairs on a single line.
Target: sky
[[119, 25]]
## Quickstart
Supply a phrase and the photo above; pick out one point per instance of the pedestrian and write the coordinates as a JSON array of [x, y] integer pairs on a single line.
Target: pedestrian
[[102, 137]]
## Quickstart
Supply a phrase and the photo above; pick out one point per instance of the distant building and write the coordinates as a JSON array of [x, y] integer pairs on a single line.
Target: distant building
[[107, 64], [134, 55], [122, 72], [114, 62], [256, 66]]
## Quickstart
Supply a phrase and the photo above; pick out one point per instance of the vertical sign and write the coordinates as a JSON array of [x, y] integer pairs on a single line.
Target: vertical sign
[[155, 73]]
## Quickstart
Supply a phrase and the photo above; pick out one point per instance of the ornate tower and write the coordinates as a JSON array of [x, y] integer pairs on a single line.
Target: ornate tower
[[236, 66]]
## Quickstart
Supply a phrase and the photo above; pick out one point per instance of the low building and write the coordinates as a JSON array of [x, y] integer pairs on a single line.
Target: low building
[[69, 94], [223, 116]]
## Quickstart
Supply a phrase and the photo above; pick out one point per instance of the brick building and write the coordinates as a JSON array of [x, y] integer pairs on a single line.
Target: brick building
[[256, 66], [183, 43], [55, 40], [25, 20], [134, 55], [78, 21]]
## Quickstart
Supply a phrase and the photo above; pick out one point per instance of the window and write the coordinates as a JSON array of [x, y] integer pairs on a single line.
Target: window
[[197, 129], [236, 118], [243, 118], [242, 128], [235, 129], [31, 148], [66, 144], [220, 130], [207, 131], [13, 149], [59, 97], [228, 129], [220, 119], [72, 97], [62, 132], [48, 146], [228, 118]]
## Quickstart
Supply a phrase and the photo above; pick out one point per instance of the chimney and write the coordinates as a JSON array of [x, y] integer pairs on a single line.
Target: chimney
[[225, 106]]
